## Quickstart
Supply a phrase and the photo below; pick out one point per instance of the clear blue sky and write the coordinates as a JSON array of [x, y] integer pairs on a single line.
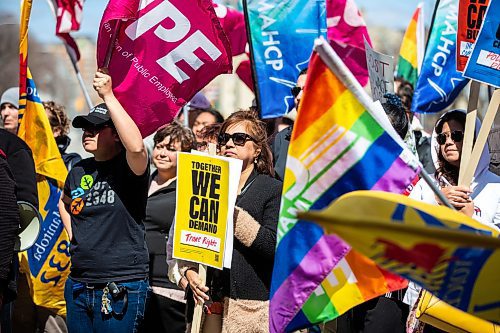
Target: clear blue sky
[[389, 13]]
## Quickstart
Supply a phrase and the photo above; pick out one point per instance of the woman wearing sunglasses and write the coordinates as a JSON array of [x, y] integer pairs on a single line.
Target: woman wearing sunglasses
[[246, 286], [481, 199]]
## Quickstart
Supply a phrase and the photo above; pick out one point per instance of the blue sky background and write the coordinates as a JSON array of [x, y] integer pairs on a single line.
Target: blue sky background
[[388, 13]]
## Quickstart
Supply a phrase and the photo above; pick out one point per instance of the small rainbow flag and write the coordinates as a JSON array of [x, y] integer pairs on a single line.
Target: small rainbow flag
[[338, 145], [412, 49]]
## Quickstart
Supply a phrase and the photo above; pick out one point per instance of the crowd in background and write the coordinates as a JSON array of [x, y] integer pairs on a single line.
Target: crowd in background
[[121, 235]]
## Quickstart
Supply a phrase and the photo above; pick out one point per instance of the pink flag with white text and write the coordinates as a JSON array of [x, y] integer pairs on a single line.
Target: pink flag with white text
[[165, 51], [346, 28]]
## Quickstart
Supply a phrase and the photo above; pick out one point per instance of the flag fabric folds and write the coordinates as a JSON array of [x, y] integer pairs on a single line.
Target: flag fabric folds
[[439, 83], [346, 30], [444, 251], [68, 18], [164, 52], [411, 53], [47, 262], [282, 35], [338, 145]]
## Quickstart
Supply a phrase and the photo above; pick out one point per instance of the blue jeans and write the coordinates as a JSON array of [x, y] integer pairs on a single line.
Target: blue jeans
[[83, 307]]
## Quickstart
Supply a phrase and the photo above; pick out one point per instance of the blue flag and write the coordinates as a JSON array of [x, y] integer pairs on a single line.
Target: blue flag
[[484, 63], [439, 82], [282, 37]]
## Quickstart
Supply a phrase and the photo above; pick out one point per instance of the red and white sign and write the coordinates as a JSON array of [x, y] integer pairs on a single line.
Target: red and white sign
[[470, 19], [165, 51], [200, 240]]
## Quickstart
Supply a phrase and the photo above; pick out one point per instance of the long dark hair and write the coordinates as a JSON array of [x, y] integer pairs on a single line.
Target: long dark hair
[[257, 129], [445, 169]]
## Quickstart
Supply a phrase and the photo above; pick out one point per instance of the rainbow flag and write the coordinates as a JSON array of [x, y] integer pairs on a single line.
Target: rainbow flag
[[338, 145], [47, 262], [412, 49]]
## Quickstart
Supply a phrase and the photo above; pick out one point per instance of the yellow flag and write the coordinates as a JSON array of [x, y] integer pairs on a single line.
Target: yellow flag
[[451, 255], [47, 262]]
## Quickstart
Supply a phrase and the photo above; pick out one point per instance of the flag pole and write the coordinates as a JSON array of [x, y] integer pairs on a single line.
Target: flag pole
[[79, 76], [109, 51], [251, 51]]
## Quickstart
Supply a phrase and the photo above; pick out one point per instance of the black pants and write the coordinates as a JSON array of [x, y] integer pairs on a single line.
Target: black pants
[[164, 315], [379, 315]]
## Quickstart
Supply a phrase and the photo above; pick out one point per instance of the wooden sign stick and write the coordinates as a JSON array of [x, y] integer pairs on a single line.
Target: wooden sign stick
[[470, 127], [202, 269], [482, 137]]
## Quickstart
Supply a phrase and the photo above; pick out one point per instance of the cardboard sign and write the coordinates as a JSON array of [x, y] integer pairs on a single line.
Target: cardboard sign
[[484, 63], [470, 18], [206, 194], [381, 72]]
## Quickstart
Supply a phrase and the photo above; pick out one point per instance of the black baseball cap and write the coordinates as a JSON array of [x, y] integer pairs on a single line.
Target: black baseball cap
[[98, 115]]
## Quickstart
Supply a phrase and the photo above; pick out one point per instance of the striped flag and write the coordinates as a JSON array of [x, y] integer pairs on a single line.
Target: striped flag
[[47, 262], [338, 145], [412, 49]]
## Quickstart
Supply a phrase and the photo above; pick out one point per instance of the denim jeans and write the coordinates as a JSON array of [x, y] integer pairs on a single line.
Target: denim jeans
[[84, 314]]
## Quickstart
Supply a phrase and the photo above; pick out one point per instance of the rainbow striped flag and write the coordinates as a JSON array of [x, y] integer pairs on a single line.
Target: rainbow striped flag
[[47, 262], [338, 145], [412, 49]]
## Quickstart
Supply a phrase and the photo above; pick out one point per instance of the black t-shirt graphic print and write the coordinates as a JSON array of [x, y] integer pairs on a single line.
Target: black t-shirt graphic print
[[108, 203]]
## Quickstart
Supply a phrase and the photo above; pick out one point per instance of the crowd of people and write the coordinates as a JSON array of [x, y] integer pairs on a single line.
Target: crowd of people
[[118, 208]]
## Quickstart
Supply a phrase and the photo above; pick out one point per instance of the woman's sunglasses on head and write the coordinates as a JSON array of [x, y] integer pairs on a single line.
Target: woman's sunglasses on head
[[456, 136], [239, 139]]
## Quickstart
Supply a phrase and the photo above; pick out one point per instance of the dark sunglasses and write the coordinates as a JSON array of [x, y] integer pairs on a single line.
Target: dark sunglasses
[[456, 136], [93, 130], [239, 139], [296, 91]]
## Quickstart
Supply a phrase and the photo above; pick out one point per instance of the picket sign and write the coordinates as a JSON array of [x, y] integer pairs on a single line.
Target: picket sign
[[202, 270], [482, 137], [470, 127]]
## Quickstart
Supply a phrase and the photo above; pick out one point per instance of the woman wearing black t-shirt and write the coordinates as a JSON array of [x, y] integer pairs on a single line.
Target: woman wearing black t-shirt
[[166, 307], [102, 209]]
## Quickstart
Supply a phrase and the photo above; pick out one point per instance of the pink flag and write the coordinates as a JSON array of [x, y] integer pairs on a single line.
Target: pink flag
[[233, 23], [69, 17], [244, 72], [165, 51], [346, 29]]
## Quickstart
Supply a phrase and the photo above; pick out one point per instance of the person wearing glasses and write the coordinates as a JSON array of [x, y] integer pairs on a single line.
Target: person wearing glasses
[[102, 208], [245, 287], [479, 200], [166, 307]]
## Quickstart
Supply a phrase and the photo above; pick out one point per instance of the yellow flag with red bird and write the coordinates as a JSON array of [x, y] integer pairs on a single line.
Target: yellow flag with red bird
[[447, 253]]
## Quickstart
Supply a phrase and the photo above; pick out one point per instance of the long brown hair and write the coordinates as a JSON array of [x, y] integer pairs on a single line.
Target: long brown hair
[[257, 129], [445, 169]]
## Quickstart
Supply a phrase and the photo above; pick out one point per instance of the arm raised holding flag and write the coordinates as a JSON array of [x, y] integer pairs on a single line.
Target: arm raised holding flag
[[127, 130]]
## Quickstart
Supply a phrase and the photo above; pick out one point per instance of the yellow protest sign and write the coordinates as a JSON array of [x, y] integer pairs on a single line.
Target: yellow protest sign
[[202, 209]]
